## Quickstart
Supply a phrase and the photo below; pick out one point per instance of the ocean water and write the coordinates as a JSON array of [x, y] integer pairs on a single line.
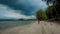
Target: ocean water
[[9, 24]]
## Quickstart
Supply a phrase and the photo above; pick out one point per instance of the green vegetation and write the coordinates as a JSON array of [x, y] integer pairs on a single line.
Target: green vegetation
[[41, 15], [51, 13]]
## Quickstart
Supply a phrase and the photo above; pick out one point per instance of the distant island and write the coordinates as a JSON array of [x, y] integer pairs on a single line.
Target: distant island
[[18, 19]]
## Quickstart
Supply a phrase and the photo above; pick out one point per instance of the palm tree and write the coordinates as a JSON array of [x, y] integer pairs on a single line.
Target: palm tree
[[56, 4], [39, 16]]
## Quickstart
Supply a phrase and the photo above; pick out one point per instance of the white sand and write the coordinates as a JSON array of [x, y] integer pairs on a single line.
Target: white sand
[[35, 28]]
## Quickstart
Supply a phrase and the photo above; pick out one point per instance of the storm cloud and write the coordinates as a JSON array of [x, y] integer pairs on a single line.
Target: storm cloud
[[8, 13], [27, 7]]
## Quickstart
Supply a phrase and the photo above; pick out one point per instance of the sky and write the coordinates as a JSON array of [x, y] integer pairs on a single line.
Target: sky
[[17, 9]]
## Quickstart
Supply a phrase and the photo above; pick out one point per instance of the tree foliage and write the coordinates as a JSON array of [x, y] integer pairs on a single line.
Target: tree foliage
[[56, 6], [41, 15], [51, 12]]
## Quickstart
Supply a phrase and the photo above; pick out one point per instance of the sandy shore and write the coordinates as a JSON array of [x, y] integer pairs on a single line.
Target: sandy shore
[[35, 28]]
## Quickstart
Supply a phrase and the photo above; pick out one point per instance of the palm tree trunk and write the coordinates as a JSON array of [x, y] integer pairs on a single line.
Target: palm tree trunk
[[38, 21], [57, 14]]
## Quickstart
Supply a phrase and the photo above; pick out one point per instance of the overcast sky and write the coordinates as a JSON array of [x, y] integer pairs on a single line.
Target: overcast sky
[[16, 9]]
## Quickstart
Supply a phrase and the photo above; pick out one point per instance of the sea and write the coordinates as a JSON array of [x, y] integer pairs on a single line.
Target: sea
[[9, 24]]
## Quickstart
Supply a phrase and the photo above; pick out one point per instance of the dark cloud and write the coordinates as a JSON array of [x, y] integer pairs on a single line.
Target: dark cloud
[[23, 5]]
